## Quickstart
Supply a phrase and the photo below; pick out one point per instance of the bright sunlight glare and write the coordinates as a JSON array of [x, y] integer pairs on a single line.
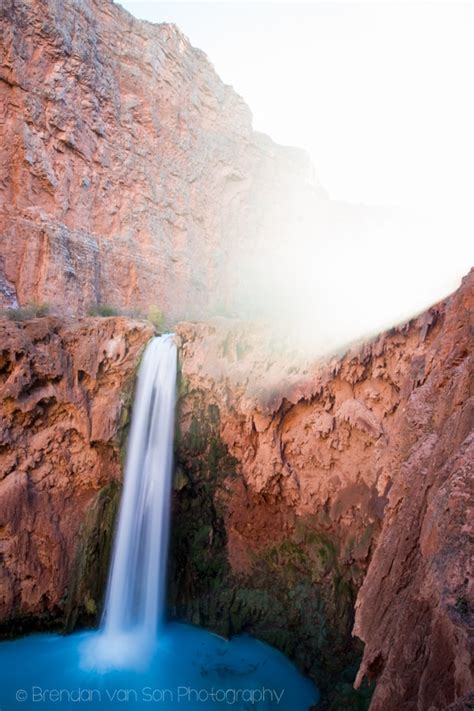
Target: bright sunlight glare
[[380, 97]]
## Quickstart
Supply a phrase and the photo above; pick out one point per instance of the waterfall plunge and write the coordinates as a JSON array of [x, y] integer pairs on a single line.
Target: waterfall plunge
[[130, 654], [134, 607]]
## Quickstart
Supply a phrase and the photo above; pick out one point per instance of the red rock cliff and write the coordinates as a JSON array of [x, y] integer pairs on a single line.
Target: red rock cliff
[[364, 460], [129, 172], [415, 609]]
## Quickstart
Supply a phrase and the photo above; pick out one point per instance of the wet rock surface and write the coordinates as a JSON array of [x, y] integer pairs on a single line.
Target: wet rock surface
[[65, 392]]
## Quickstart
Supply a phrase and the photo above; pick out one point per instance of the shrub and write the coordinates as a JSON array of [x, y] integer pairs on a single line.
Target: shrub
[[24, 313], [156, 317], [104, 310], [154, 314]]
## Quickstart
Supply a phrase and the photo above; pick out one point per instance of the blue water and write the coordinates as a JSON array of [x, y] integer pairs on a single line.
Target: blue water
[[190, 669]]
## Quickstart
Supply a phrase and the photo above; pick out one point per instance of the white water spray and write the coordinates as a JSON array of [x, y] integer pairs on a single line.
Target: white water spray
[[135, 602]]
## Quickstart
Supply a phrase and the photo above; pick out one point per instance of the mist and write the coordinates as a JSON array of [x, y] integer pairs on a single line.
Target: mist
[[379, 96]]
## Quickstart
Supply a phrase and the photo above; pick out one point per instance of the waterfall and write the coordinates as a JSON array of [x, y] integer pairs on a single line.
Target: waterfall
[[134, 658], [135, 600]]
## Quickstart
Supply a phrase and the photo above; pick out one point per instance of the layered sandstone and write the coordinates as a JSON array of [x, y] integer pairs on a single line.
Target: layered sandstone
[[64, 394], [129, 173]]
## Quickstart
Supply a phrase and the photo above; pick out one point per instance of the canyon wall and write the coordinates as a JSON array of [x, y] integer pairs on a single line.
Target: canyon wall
[[415, 609], [131, 177], [129, 172], [306, 488]]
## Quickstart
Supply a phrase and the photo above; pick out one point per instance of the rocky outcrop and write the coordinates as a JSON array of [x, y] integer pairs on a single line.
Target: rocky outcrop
[[65, 390], [415, 609], [303, 487], [129, 173]]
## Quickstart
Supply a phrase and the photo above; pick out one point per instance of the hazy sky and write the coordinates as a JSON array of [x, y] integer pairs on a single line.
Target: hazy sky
[[380, 95]]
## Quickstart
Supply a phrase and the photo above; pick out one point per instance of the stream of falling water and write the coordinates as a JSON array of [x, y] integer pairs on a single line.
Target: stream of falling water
[[135, 600]]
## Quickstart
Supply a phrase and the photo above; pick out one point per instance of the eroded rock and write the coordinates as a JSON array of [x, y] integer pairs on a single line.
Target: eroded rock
[[65, 390], [338, 481]]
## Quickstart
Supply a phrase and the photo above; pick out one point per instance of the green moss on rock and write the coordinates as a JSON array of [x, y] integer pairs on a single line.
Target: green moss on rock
[[298, 596], [89, 572]]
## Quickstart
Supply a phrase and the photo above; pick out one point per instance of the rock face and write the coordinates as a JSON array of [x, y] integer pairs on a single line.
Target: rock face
[[415, 609], [304, 487], [64, 393], [129, 172]]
